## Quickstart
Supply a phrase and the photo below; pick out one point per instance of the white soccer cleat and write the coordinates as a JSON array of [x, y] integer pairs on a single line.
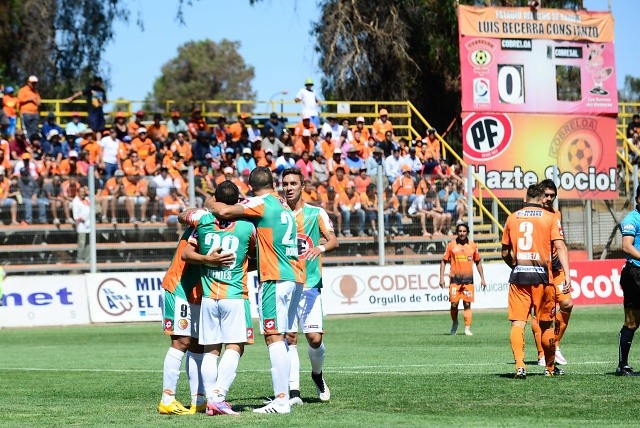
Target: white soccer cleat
[[560, 359], [295, 401], [542, 362], [274, 407], [321, 387], [467, 331], [454, 328]]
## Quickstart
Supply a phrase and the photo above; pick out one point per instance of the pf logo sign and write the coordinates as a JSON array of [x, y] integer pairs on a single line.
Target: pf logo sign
[[486, 135]]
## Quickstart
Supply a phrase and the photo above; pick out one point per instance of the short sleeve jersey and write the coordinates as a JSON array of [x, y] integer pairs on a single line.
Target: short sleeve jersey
[[276, 230], [462, 257], [237, 237], [315, 222], [529, 232], [630, 226], [183, 279]]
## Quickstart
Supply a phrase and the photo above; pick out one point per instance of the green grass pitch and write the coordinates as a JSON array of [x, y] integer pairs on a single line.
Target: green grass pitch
[[394, 370]]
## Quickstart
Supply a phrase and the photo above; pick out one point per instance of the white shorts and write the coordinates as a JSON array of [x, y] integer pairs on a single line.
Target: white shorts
[[225, 321], [179, 317], [309, 313], [277, 305], [137, 200]]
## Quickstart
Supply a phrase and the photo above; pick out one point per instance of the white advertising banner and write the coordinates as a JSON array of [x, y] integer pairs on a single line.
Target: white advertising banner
[[43, 301], [351, 290]]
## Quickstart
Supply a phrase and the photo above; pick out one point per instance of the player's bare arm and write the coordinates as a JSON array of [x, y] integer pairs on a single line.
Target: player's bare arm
[[443, 263], [224, 211], [331, 244], [563, 256], [507, 256], [216, 258], [481, 273], [629, 249], [182, 217]]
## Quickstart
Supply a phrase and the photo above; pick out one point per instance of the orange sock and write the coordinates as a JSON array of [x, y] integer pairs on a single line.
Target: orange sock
[[562, 320], [537, 336], [549, 345], [454, 314], [517, 345], [467, 317]]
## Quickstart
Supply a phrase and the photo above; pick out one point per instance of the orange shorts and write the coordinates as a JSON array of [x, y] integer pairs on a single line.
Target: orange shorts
[[558, 281], [462, 292], [523, 298]]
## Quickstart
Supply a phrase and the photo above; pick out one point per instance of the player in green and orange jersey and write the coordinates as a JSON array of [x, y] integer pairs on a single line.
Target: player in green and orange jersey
[[313, 224], [280, 273], [462, 254], [180, 307], [225, 317]]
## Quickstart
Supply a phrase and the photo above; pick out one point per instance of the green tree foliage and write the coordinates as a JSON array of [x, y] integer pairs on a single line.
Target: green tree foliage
[[60, 41], [631, 90], [204, 70]]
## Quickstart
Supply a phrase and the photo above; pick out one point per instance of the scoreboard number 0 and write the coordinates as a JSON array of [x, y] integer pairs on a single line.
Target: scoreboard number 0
[[511, 83]]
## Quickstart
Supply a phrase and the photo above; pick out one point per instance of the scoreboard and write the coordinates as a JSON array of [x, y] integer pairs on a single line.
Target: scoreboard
[[538, 91]]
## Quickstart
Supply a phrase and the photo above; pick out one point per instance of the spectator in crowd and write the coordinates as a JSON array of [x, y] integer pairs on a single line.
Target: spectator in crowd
[[120, 127], [268, 160], [5, 200], [173, 205], [253, 131], [404, 188], [18, 145], [305, 165], [54, 193], [176, 124], [414, 162], [220, 131], [369, 202], [112, 191], [349, 204], [135, 124], [320, 170], [89, 144], [75, 127], [432, 143], [362, 180], [329, 201], [309, 194], [157, 130], [271, 142], [29, 101], [135, 194], [387, 144], [10, 106], [304, 143], [345, 128], [28, 188], [392, 213], [96, 96], [633, 126], [285, 161], [274, 124], [27, 163], [454, 203], [81, 208], [393, 165], [310, 102], [442, 221], [197, 123], [109, 146], [204, 184], [354, 162], [339, 180], [237, 127], [374, 162], [423, 209], [50, 125], [304, 124], [359, 126], [246, 161], [381, 126], [331, 125], [143, 145], [68, 166]]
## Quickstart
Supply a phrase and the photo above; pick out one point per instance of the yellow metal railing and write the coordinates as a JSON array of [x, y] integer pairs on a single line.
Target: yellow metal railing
[[623, 156]]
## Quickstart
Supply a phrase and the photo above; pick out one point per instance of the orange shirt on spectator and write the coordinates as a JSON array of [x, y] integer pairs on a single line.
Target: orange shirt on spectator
[[29, 100], [133, 168], [361, 183], [157, 132], [404, 185], [364, 132], [4, 187], [144, 148], [422, 188], [4, 145], [109, 187], [327, 148], [235, 129], [380, 128], [391, 202], [297, 131], [94, 150], [339, 185], [311, 196], [346, 201], [151, 166], [69, 189], [432, 146], [300, 146], [10, 105], [135, 189], [359, 145], [123, 150], [172, 206], [332, 165], [133, 127], [184, 149]]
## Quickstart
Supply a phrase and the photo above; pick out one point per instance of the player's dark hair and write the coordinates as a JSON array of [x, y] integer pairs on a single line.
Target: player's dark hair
[[261, 178], [549, 184], [227, 192], [465, 225], [293, 171], [535, 191]]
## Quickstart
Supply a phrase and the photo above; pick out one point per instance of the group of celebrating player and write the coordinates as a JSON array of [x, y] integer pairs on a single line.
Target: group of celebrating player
[[206, 297]]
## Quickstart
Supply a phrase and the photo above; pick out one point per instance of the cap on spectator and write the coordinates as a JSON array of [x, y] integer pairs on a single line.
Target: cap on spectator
[[26, 155], [431, 131], [378, 151], [175, 113], [359, 119], [90, 131], [337, 151], [330, 189], [51, 115], [208, 156], [8, 90], [405, 168], [24, 171], [286, 149], [119, 114], [352, 150], [142, 130], [244, 116], [33, 79], [52, 133], [273, 115], [229, 150], [331, 116], [120, 173], [308, 81], [140, 113], [268, 151], [2, 170], [126, 139], [73, 154], [271, 131], [306, 133], [306, 116], [228, 170], [384, 112], [395, 148], [246, 151], [184, 169], [246, 171], [363, 168]]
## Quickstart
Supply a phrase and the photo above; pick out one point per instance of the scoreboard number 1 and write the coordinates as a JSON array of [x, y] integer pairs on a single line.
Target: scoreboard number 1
[[511, 83]]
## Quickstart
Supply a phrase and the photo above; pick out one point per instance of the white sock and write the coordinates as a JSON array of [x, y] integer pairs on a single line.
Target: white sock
[[193, 367], [316, 355], [227, 370], [279, 370], [294, 371], [209, 374], [171, 374]]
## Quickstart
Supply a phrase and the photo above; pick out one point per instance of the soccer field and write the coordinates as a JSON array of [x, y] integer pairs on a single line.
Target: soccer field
[[394, 370]]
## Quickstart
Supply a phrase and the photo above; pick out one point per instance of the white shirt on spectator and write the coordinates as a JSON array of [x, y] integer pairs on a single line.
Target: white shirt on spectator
[[81, 214], [163, 185], [109, 149], [393, 167], [335, 130], [415, 164], [309, 102]]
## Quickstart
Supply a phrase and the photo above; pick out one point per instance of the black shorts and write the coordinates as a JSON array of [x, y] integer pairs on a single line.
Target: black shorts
[[630, 283]]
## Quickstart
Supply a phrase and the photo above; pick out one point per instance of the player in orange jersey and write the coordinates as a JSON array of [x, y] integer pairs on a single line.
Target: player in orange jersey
[[528, 237], [462, 254], [562, 299]]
